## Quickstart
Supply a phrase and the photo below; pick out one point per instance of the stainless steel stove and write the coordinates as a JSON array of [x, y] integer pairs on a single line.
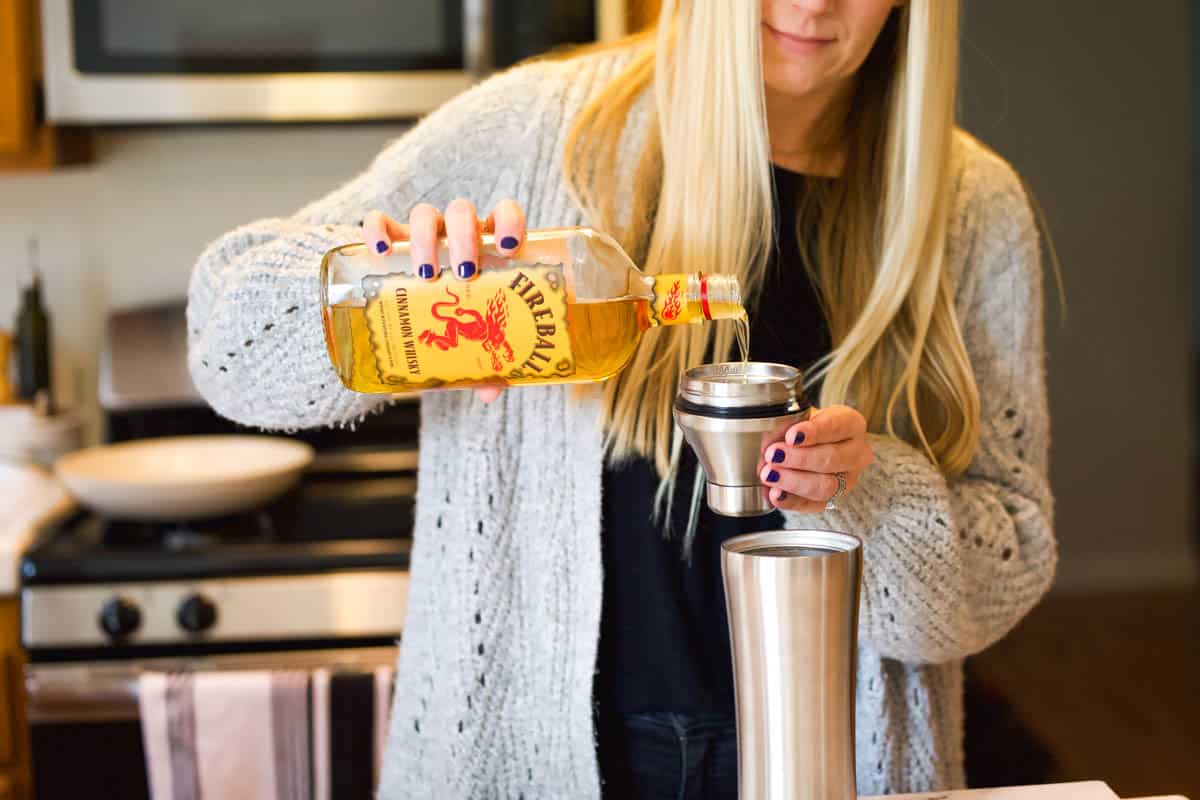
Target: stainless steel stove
[[99, 588], [317, 579]]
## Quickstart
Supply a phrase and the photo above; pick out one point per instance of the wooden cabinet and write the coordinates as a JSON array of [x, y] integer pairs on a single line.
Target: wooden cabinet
[[25, 141], [641, 13], [15, 768], [16, 77]]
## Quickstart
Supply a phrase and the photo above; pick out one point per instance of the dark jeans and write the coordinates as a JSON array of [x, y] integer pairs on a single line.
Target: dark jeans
[[668, 756]]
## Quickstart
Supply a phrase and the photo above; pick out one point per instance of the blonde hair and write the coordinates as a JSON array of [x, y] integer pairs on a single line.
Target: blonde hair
[[879, 267]]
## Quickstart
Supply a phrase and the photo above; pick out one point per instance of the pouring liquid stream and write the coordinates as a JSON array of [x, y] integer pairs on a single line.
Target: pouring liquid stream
[[742, 333]]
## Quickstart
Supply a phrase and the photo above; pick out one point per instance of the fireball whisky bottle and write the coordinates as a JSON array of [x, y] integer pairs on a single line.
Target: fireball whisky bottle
[[569, 306]]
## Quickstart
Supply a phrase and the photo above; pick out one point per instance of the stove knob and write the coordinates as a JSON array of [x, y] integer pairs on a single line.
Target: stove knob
[[196, 613], [120, 617]]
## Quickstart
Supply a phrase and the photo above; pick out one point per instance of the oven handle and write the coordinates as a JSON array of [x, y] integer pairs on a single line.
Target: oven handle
[[365, 461], [107, 691], [477, 37], [374, 489]]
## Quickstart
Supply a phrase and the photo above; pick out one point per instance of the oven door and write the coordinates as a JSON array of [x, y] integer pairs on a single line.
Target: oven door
[[83, 717], [291, 60]]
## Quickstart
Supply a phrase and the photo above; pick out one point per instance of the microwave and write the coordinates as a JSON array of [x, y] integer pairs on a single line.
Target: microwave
[[181, 61]]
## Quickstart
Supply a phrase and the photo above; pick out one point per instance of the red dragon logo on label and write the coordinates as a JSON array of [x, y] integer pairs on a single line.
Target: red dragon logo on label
[[672, 307], [472, 326]]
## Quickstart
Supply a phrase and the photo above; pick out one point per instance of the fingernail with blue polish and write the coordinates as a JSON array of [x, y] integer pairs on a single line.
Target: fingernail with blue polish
[[466, 269], [509, 243], [425, 271], [381, 247], [777, 457], [799, 438], [782, 496], [772, 476]]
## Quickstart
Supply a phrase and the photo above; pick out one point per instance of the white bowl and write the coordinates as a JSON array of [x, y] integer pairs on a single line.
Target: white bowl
[[183, 477]]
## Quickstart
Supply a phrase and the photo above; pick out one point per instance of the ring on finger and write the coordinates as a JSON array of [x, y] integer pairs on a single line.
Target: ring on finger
[[831, 504]]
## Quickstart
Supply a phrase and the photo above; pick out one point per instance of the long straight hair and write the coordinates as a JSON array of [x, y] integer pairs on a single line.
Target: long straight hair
[[700, 199]]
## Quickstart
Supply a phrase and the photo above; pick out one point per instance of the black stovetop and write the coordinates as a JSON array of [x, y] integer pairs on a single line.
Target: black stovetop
[[318, 527]]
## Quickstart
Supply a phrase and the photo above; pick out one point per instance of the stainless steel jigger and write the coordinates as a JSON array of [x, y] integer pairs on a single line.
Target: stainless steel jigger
[[792, 598], [729, 413]]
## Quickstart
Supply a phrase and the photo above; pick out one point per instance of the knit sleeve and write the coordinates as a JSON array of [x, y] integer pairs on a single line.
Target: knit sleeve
[[256, 347], [950, 566]]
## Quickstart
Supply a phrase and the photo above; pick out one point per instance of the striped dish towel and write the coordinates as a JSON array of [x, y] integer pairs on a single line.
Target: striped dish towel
[[264, 735]]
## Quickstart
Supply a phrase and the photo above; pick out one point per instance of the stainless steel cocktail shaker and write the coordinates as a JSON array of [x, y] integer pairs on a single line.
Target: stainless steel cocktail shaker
[[792, 598], [729, 413]]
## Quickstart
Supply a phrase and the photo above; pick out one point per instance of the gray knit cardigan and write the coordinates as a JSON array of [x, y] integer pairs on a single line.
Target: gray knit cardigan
[[494, 687]]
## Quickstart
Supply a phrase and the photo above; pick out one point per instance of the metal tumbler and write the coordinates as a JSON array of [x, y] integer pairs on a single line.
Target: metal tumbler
[[792, 598], [729, 413]]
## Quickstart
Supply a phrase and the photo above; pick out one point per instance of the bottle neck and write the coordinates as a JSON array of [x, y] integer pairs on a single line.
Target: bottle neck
[[686, 298]]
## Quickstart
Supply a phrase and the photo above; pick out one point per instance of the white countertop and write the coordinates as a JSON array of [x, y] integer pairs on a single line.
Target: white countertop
[[1089, 790], [29, 496]]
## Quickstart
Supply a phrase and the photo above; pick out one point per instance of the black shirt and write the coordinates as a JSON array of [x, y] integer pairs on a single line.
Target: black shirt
[[664, 636]]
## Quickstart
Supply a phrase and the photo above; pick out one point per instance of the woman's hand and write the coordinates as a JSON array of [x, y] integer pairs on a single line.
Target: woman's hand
[[801, 471], [462, 228]]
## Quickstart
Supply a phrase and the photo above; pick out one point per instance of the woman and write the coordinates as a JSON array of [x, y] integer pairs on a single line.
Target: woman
[[809, 148]]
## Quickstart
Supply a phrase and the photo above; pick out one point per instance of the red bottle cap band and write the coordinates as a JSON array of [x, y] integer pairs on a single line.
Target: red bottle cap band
[[704, 297]]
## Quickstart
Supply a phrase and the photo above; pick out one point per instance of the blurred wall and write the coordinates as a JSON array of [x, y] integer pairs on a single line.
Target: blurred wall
[[1091, 101]]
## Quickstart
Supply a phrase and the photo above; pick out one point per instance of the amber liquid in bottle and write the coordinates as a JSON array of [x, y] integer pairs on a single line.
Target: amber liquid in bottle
[[603, 336], [471, 334]]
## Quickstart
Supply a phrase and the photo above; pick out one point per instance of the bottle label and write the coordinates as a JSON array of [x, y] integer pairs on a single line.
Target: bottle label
[[670, 305], [508, 323]]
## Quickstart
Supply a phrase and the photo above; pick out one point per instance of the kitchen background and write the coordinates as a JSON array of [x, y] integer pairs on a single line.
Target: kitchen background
[[1099, 127], [1093, 101]]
